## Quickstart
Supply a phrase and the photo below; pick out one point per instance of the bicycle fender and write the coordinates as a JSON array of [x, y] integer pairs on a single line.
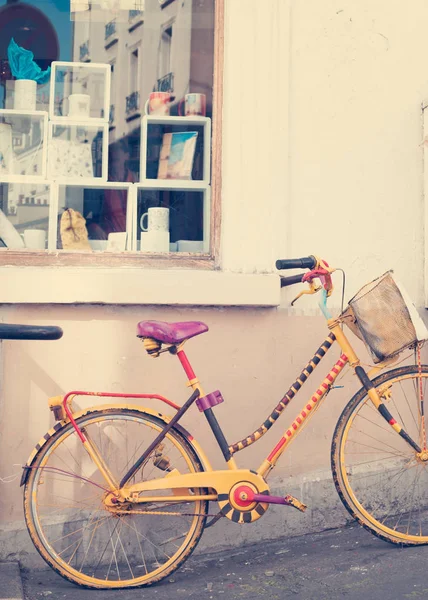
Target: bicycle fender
[[144, 410]]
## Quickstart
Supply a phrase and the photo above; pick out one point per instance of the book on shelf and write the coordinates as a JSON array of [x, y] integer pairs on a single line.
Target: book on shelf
[[177, 155]]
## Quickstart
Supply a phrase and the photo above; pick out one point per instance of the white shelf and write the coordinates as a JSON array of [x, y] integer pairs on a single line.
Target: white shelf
[[27, 113], [204, 122], [89, 66], [205, 189], [107, 185], [167, 120], [74, 125], [97, 184], [173, 184], [95, 122]]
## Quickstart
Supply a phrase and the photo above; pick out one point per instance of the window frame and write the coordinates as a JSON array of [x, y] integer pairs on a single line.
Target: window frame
[[210, 261]]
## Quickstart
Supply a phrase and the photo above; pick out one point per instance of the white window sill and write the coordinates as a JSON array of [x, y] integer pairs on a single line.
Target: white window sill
[[44, 285]]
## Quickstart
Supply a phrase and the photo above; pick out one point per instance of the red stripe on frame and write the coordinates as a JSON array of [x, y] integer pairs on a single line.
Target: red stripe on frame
[[277, 448], [392, 422], [186, 365]]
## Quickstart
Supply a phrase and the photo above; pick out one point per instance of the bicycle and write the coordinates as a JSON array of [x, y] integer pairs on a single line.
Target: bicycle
[[117, 495]]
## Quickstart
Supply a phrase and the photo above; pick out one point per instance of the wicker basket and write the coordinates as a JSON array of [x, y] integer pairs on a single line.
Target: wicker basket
[[382, 315]]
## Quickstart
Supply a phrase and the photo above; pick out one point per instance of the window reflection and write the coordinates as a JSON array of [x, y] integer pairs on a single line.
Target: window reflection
[[164, 46]]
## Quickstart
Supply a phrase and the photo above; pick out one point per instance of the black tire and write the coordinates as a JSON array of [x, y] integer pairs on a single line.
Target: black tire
[[86, 524], [398, 459]]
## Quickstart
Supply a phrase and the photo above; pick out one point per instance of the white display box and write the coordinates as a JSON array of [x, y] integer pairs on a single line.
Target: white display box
[[23, 144], [77, 80], [77, 151], [89, 199], [26, 205], [171, 192], [176, 124]]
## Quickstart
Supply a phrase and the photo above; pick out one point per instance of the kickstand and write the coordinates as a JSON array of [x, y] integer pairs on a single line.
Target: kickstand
[[214, 520]]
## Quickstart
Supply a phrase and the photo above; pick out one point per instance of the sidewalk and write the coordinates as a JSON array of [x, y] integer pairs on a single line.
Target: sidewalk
[[10, 582], [349, 563]]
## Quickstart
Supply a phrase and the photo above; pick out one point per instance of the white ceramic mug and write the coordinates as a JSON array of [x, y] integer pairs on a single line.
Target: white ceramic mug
[[157, 219], [159, 103], [194, 105], [79, 105], [25, 94], [35, 239]]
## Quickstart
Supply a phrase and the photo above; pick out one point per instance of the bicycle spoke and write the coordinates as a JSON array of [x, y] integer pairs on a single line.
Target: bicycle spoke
[[89, 537], [387, 480]]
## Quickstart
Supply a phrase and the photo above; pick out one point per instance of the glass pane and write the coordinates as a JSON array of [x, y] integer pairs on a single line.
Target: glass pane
[[24, 215], [76, 151], [22, 144], [80, 92], [180, 213], [175, 151], [128, 98], [90, 218]]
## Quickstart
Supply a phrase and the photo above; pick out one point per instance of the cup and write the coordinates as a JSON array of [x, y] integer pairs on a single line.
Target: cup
[[157, 219], [79, 105], [116, 241], [190, 246], [159, 103], [194, 105], [35, 239], [75, 106], [25, 94], [154, 241]]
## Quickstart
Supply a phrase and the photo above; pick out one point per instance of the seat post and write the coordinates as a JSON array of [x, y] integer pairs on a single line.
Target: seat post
[[210, 416], [188, 370]]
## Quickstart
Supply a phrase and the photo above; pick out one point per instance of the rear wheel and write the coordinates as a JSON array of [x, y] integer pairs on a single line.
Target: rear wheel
[[80, 535], [381, 479]]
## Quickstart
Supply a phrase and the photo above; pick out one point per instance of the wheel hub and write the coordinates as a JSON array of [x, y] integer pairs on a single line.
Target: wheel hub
[[423, 455], [112, 503]]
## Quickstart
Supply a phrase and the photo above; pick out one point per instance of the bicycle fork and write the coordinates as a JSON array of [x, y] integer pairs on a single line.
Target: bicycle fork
[[372, 392]]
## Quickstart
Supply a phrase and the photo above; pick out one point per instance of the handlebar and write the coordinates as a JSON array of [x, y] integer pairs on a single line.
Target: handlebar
[[307, 262], [291, 280], [29, 332]]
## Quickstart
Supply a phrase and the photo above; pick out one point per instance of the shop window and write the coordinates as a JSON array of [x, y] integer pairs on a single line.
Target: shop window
[[114, 144]]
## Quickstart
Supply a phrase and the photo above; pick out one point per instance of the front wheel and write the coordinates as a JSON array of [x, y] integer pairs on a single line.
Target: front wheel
[[381, 480], [80, 535]]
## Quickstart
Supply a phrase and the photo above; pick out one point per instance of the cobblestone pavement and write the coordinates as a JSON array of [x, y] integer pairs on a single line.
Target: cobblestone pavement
[[347, 563]]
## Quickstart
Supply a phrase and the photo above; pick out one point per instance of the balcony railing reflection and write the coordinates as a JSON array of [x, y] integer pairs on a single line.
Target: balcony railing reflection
[[165, 83], [84, 51], [134, 14], [110, 29], [132, 103]]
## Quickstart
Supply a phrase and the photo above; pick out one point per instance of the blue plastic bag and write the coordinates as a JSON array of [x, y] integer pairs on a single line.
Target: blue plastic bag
[[22, 65]]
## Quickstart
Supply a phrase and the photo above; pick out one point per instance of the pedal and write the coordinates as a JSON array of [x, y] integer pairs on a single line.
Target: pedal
[[292, 501]]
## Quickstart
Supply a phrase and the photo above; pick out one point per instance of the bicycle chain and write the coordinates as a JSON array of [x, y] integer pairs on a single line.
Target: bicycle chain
[[159, 512]]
